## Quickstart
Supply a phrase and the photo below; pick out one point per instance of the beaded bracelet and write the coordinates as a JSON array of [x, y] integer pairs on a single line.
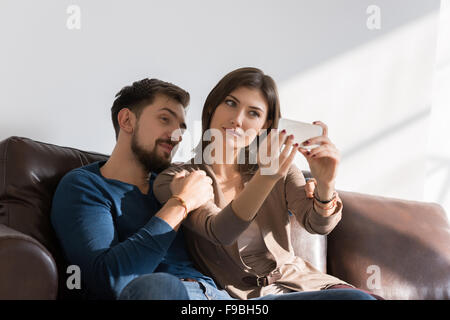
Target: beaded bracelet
[[183, 203]]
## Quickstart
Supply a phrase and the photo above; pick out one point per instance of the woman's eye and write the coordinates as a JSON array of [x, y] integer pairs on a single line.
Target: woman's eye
[[230, 103], [254, 114], [164, 119]]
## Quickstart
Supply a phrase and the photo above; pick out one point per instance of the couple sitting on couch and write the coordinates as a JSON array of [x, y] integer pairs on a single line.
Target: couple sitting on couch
[[214, 227]]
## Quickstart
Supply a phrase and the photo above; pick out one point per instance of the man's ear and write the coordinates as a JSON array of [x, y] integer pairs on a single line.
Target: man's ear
[[127, 120]]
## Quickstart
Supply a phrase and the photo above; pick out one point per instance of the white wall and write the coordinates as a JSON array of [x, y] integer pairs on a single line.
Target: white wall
[[437, 184], [372, 87]]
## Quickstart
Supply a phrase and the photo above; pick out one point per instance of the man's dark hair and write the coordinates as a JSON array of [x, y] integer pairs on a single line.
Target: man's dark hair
[[142, 93]]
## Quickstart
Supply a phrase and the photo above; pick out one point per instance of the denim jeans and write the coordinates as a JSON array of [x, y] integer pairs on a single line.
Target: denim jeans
[[154, 286], [164, 286]]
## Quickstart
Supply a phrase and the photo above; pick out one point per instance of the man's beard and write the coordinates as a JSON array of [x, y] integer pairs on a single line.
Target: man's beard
[[150, 160]]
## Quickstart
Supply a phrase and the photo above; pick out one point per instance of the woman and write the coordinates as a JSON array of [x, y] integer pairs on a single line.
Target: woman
[[242, 238]]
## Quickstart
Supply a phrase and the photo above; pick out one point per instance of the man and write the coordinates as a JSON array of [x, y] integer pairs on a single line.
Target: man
[[105, 214], [110, 224]]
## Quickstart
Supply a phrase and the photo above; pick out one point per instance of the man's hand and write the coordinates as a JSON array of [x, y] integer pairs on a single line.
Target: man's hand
[[195, 188]]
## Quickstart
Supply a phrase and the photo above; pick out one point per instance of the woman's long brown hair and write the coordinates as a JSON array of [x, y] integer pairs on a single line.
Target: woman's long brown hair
[[244, 77]]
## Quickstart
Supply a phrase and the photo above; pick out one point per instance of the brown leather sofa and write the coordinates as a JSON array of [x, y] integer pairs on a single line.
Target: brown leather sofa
[[398, 249]]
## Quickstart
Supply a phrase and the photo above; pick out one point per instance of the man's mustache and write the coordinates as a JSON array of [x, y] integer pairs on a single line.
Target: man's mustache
[[169, 142]]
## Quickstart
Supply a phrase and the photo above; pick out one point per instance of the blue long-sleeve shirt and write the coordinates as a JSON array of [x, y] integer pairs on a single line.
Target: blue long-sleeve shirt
[[109, 229]]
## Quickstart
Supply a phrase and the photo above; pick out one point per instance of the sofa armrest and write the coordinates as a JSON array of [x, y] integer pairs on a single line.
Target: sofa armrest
[[27, 269], [399, 249]]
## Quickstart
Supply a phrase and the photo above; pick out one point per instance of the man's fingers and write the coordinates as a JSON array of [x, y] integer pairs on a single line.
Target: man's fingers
[[180, 174], [209, 180], [200, 172]]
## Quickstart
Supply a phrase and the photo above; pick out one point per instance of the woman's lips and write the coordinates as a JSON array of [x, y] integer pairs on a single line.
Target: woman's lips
[[231, 131]]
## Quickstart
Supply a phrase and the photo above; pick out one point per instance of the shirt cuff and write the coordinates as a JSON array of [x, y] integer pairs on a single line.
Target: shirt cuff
[[323, 222]]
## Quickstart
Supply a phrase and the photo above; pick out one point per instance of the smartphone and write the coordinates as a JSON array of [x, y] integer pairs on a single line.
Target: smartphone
[[301, 130]]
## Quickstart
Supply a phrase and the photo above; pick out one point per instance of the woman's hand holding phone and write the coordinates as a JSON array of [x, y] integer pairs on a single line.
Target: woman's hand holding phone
[[323, 160]]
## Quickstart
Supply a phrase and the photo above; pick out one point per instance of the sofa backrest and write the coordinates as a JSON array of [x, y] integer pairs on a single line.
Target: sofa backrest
[[396, 248], [29, 174]]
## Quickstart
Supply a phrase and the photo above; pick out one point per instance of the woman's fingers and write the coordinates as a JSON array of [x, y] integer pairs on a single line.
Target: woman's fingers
[[280, 152], [287, 154], [309, 187], [326, 153], [273, 143], [320, 149], [316, 150], [285, 163], [282, 139], [272, 137], [287, 147], [316, 140], [321, 152], [324, 127]]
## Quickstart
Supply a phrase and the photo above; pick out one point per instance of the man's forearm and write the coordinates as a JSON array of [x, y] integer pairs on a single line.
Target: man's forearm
[[172, 212]]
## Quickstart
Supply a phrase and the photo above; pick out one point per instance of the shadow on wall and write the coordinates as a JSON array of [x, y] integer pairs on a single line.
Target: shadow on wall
[[383, 134]]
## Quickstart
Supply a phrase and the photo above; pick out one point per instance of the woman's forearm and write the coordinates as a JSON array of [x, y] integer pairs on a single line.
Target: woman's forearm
[[248, 202], [325, 190]]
